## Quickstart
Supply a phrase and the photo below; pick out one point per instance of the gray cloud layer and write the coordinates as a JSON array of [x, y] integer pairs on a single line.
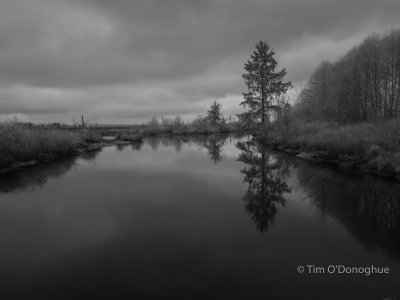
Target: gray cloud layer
[[128, 60]]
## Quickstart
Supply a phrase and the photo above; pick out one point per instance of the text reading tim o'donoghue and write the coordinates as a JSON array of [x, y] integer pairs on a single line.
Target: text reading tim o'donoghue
[[342, 269]]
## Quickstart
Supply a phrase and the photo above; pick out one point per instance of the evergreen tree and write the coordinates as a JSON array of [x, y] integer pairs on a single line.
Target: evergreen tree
[[263, 83], [214, 115]]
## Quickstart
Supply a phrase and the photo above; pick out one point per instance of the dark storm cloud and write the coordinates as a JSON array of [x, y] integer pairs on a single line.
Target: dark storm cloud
[[186, 50]]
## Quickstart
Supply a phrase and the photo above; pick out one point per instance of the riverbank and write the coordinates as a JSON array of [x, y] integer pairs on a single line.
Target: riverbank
[[22, 146], [366, 148]]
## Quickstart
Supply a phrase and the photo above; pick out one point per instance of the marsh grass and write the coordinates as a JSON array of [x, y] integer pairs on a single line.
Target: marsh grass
[[91, 136], [23, 144], [377, 145]]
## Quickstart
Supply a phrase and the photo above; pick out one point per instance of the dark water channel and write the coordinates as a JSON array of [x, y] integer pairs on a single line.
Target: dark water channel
[[204, 218]]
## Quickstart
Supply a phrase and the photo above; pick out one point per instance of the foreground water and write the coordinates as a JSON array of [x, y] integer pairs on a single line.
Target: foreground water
[[195, 219]]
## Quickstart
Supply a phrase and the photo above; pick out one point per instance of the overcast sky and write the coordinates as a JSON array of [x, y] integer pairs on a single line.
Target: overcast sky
[[124, 61]]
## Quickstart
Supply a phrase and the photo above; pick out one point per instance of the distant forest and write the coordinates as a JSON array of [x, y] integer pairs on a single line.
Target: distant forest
[[361, 86]]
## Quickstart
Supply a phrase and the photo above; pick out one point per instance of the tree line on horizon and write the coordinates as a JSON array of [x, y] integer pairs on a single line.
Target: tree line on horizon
[[361, 86]]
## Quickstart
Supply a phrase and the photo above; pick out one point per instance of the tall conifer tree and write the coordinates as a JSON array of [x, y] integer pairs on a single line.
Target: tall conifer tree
[[264, 83]]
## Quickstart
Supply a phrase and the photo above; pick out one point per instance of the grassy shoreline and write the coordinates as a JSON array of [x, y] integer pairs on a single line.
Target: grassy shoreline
[[366, 148], [22, 146]]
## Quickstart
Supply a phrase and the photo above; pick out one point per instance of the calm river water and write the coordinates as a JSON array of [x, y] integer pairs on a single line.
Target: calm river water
[[188, 218]]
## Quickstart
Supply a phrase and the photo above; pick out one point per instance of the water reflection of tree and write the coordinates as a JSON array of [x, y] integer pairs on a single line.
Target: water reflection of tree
[[264, 174], [136, 146], [213, 143], [369, 208], [168, 141], [214, 147], [154, 143]]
